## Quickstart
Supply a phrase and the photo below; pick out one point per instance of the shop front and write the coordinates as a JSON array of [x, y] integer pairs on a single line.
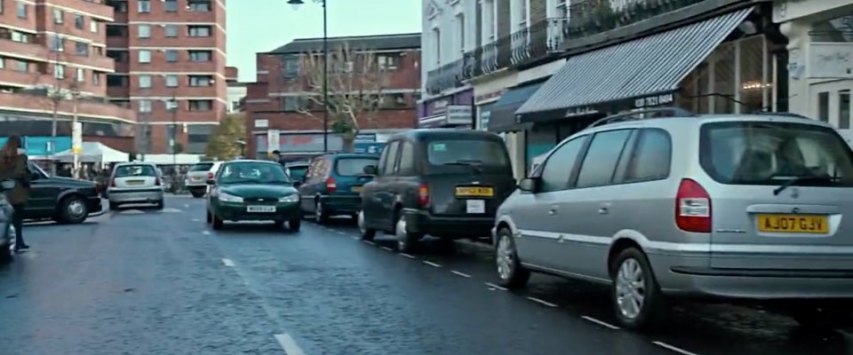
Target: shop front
[[722, 64], [452, 111]]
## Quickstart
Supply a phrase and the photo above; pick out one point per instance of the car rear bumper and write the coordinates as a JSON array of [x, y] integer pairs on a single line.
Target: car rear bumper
[[341, 204], [237, 212], [423, 222], [135, 195], [690, 276]]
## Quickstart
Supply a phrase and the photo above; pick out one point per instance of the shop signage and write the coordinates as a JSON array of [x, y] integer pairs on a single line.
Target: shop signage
[[273, 140], [580, 111], [452, 116], [439, 106], [655, 100], [831, 60]]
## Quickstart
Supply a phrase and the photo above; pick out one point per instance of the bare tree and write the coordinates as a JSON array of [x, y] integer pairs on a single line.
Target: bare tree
[[355, 90]]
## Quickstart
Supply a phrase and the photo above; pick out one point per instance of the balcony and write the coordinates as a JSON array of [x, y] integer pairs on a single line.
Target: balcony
[[11, 48], [42, 104], [97, 9]]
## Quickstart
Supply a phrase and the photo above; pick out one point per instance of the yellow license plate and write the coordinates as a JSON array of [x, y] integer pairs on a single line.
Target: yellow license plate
[[793, 223], [475, 192], [356, 189]]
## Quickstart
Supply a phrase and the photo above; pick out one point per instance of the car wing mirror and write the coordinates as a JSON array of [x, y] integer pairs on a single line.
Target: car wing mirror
[[371, 170], [530, 184]]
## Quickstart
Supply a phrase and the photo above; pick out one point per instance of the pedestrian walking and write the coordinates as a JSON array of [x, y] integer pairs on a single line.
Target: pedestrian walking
[[14, 167]]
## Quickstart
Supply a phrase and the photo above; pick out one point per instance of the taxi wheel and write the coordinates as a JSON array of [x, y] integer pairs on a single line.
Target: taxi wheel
[[364, 232], [407, 242], [73, 210]]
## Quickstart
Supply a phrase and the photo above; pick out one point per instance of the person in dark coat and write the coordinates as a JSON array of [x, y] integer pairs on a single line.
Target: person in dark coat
[[14, 166]]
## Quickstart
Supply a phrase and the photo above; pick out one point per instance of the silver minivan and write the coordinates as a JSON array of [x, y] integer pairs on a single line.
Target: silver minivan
[[739, 207]]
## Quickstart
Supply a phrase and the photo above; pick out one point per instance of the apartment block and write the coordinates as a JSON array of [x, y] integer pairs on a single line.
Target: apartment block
[[170, 70]]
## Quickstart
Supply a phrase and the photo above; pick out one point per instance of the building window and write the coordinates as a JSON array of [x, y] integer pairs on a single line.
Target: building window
[[170, 5], [117, 81], [93, 26], [563, 9], [21, 37], [81, 75], [823, 106], [59, 71], [201, 80], [21, 9], [145, 56], [144, 31], [2, 6], [171, 55], [79, 22], [436, 35], [460, 28], [171, 81], [291, 66], [200, 56], [2, 60], [96, 78], [199, 6], [522, 11], [116, 31], [388, 61], [201, 105], [144, 105], [844, 109], [393, 101], [199, 31], [57, 44], [58, 16], [81, 48], [290, 103], [143, 6], [171, 105], [145, 81], [171, 31], [23, 66]]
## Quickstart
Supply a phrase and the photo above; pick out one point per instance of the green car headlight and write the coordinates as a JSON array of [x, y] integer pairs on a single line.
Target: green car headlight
[[289, 198], [230, 198]]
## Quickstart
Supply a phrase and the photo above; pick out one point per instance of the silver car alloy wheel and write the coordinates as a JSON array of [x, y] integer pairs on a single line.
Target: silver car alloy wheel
[[630, 288], [13, 235], [505, 258], [361, 227], [400, 233]]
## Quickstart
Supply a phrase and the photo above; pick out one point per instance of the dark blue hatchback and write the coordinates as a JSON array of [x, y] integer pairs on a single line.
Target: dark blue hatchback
[[332, 185]]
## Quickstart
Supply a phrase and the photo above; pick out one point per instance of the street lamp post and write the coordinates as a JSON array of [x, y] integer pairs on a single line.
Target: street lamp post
[[76, 133], [295, 4], [173, 107]]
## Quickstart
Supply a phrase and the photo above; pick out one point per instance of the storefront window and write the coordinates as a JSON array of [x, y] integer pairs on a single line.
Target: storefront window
[[844, 109], [823, 106], [752, 85], [724, 79]]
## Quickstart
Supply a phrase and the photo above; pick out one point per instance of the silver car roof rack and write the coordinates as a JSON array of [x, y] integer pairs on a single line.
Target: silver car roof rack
[[783, 114], [635, 115]]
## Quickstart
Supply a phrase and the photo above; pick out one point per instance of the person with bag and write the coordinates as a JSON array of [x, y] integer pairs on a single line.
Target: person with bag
[[15, 176]]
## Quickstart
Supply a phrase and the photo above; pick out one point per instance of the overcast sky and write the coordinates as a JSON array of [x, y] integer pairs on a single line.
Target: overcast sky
[[263, 25]]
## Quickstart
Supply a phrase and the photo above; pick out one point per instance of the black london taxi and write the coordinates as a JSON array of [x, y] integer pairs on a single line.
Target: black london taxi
[[447, 183], [64, 200]]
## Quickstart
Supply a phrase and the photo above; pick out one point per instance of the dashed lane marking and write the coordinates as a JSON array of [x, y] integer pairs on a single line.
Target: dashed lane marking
[[430, 263], [355, 237], [672, 348], [196, 220], [171, 210], [410, 256], [542, 302], [288, 344], [387, 249], [368, 242], [341, 233], [186, 206], [132, 212], [205, 232], [599, 322], [460, 273], [491, 285], [228, 262]]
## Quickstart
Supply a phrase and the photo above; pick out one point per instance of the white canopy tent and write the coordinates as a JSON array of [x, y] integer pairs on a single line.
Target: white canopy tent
[[94, 152]]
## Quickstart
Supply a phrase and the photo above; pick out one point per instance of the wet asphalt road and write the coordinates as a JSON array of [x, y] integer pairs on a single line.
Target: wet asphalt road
[[140, 281]]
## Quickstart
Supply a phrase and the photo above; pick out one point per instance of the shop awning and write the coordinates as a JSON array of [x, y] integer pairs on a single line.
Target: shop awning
[[648, 67], [502, 117]]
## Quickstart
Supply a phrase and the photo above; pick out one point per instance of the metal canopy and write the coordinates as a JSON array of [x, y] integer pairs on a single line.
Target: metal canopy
[[643, 67]]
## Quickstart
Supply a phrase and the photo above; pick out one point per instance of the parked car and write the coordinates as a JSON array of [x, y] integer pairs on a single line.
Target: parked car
[[297, 170], [253, 190], [738, 207], [333, 183], [7, 230], [64, 200], [197, 176], [136, 183], [443, 182]]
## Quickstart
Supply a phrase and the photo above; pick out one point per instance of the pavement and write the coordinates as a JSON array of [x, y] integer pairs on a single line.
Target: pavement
[[143, 281]]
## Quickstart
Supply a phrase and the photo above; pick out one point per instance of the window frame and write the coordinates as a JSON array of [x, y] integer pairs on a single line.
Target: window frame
[[633, 144], [573, 184], [393, 147], [167, 54], [170, 31], [573, 171], [147, 33], [143, 6], [149, 81], [413, 168]]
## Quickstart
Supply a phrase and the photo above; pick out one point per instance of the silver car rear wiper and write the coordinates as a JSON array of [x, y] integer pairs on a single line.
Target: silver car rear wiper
[[788, 183]]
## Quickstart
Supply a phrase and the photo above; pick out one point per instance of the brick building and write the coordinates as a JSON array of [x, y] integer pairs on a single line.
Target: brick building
[[170, 70], [272, 101], [58, 46]]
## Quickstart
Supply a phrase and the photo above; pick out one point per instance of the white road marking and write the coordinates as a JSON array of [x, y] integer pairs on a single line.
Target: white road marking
[[199, 220], [171, 210], [368, 242], [132, 212], [673, 348], [341, 233], [205, 232], [460, 273], [186, 206], [544, 303], [288, 344], [228, 262], [496, 286], [601, 323], [430, 263], [410, 256], [387, 249], [355, 237]]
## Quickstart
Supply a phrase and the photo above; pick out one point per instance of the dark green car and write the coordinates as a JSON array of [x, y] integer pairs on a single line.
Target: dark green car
[[252, 190]]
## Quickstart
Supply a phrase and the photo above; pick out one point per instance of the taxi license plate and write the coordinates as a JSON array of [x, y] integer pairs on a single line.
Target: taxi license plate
[[135, 182], [260, 209], [793, 223], [475, 192], [356, 189]]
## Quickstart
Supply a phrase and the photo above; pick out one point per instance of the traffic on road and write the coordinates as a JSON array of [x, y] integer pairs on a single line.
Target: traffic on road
[[671, 234]]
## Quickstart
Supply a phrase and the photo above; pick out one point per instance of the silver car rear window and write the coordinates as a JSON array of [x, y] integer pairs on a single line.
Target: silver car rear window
[[135, 170], [770, 153]]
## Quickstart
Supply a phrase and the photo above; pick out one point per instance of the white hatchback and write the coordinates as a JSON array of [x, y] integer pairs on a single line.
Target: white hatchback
[[135, 183]]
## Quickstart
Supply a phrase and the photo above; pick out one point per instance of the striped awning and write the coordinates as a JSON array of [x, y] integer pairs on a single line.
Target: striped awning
[[653, 65]]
